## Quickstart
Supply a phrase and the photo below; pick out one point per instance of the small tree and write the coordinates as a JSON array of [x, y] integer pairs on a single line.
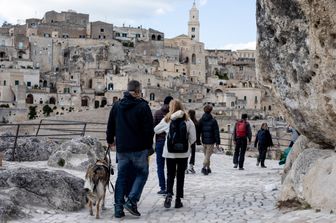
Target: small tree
[[32, 112], [47, 110]]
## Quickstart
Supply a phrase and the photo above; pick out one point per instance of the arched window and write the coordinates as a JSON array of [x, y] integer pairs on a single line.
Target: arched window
[[153, 37], [2, 55], [159, 37], [52, 101], [152, 97], [85, 101], [30, 99], [193, 59], [245, 98], [90, 83], [110, 87], [103, 102], [45, 83], [269, 108], [232, 104]]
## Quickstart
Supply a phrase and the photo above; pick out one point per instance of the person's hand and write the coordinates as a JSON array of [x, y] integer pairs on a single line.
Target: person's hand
[[111, 146]]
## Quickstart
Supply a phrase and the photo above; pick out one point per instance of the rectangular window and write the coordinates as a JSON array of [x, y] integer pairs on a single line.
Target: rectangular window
[[193, 29], [28, 84], [5, 82], [124, 35], [102, 30], [17, 82], [117, 34]]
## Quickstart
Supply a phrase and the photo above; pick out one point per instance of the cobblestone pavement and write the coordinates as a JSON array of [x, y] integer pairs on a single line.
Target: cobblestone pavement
[[225, 195]]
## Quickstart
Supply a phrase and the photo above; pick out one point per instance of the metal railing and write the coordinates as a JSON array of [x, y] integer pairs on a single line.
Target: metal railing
[[53, 129]]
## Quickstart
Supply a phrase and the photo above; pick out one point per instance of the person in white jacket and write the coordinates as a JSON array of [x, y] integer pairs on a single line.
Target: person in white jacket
[[176, 162]]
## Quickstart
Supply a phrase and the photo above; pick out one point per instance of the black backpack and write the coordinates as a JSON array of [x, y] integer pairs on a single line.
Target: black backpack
[[177, 139]]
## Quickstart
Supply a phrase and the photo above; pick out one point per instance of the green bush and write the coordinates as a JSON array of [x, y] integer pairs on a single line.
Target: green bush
[[32, 112], [47, 110]]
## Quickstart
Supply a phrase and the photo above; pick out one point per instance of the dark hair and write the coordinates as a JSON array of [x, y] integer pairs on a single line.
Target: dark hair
[[134, 86], [192, 116], [244, 116], [167, 100], [207, 108]]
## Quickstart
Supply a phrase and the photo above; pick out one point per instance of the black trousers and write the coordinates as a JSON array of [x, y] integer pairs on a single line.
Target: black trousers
[[192, 156], [176, 167], [239, 154], [262, 154]]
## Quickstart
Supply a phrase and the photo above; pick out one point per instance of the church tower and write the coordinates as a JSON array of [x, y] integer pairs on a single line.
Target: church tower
[[193, 24]]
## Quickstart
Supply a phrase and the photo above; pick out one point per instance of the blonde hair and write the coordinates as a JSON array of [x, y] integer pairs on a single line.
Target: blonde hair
[[174, 106]]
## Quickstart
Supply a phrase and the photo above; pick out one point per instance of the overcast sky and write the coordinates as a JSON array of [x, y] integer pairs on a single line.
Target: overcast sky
[[225, 24]]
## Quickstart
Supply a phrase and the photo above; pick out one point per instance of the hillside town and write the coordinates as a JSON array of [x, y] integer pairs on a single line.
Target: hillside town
[[66, 63]]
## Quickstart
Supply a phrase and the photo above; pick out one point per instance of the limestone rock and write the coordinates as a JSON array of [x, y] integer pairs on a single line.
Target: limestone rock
[[296, 58], [319, 183], [77, 153], [294, 183], [300, 145], [8, 210], [27, 149], [28, 188]]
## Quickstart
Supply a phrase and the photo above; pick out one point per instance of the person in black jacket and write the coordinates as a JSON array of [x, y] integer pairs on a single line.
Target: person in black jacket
[[192, 116], [130, 126], [209, 132], [159, 144], [263, 140]]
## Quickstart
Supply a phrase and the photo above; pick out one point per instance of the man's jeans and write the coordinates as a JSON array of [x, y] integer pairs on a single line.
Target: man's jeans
[[130, 163], [160, 162]]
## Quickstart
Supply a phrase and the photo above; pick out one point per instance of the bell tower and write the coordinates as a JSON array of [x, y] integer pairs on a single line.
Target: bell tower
[[193, 24]]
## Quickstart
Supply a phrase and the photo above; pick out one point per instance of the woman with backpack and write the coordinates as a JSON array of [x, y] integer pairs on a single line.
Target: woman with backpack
[[263, 140], [180, 134]]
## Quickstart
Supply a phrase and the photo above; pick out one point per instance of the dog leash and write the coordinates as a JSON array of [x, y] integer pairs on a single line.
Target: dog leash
[[110, 169]]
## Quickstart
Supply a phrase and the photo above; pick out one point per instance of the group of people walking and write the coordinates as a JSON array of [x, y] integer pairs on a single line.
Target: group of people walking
[[131, 128]]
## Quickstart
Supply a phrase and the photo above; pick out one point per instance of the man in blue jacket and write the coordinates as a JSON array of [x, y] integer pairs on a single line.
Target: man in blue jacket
[[130, 127]]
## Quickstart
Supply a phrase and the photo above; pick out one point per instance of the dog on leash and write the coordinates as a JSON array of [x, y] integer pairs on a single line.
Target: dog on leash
[[96, 180]]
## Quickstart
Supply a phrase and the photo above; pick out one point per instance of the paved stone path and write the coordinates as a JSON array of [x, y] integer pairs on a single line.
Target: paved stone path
[[226, 195]]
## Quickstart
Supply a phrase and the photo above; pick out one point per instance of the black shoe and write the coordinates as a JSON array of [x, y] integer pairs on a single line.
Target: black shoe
[[263, 166], [167, 202], [132, 208], [235, 165], [178, 203], [209, 170], [119, 214], [162, 192], [241, 168], [205, 171]]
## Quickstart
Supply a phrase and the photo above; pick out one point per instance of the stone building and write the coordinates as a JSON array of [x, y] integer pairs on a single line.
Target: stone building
[[100, 30], [71, 64]]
